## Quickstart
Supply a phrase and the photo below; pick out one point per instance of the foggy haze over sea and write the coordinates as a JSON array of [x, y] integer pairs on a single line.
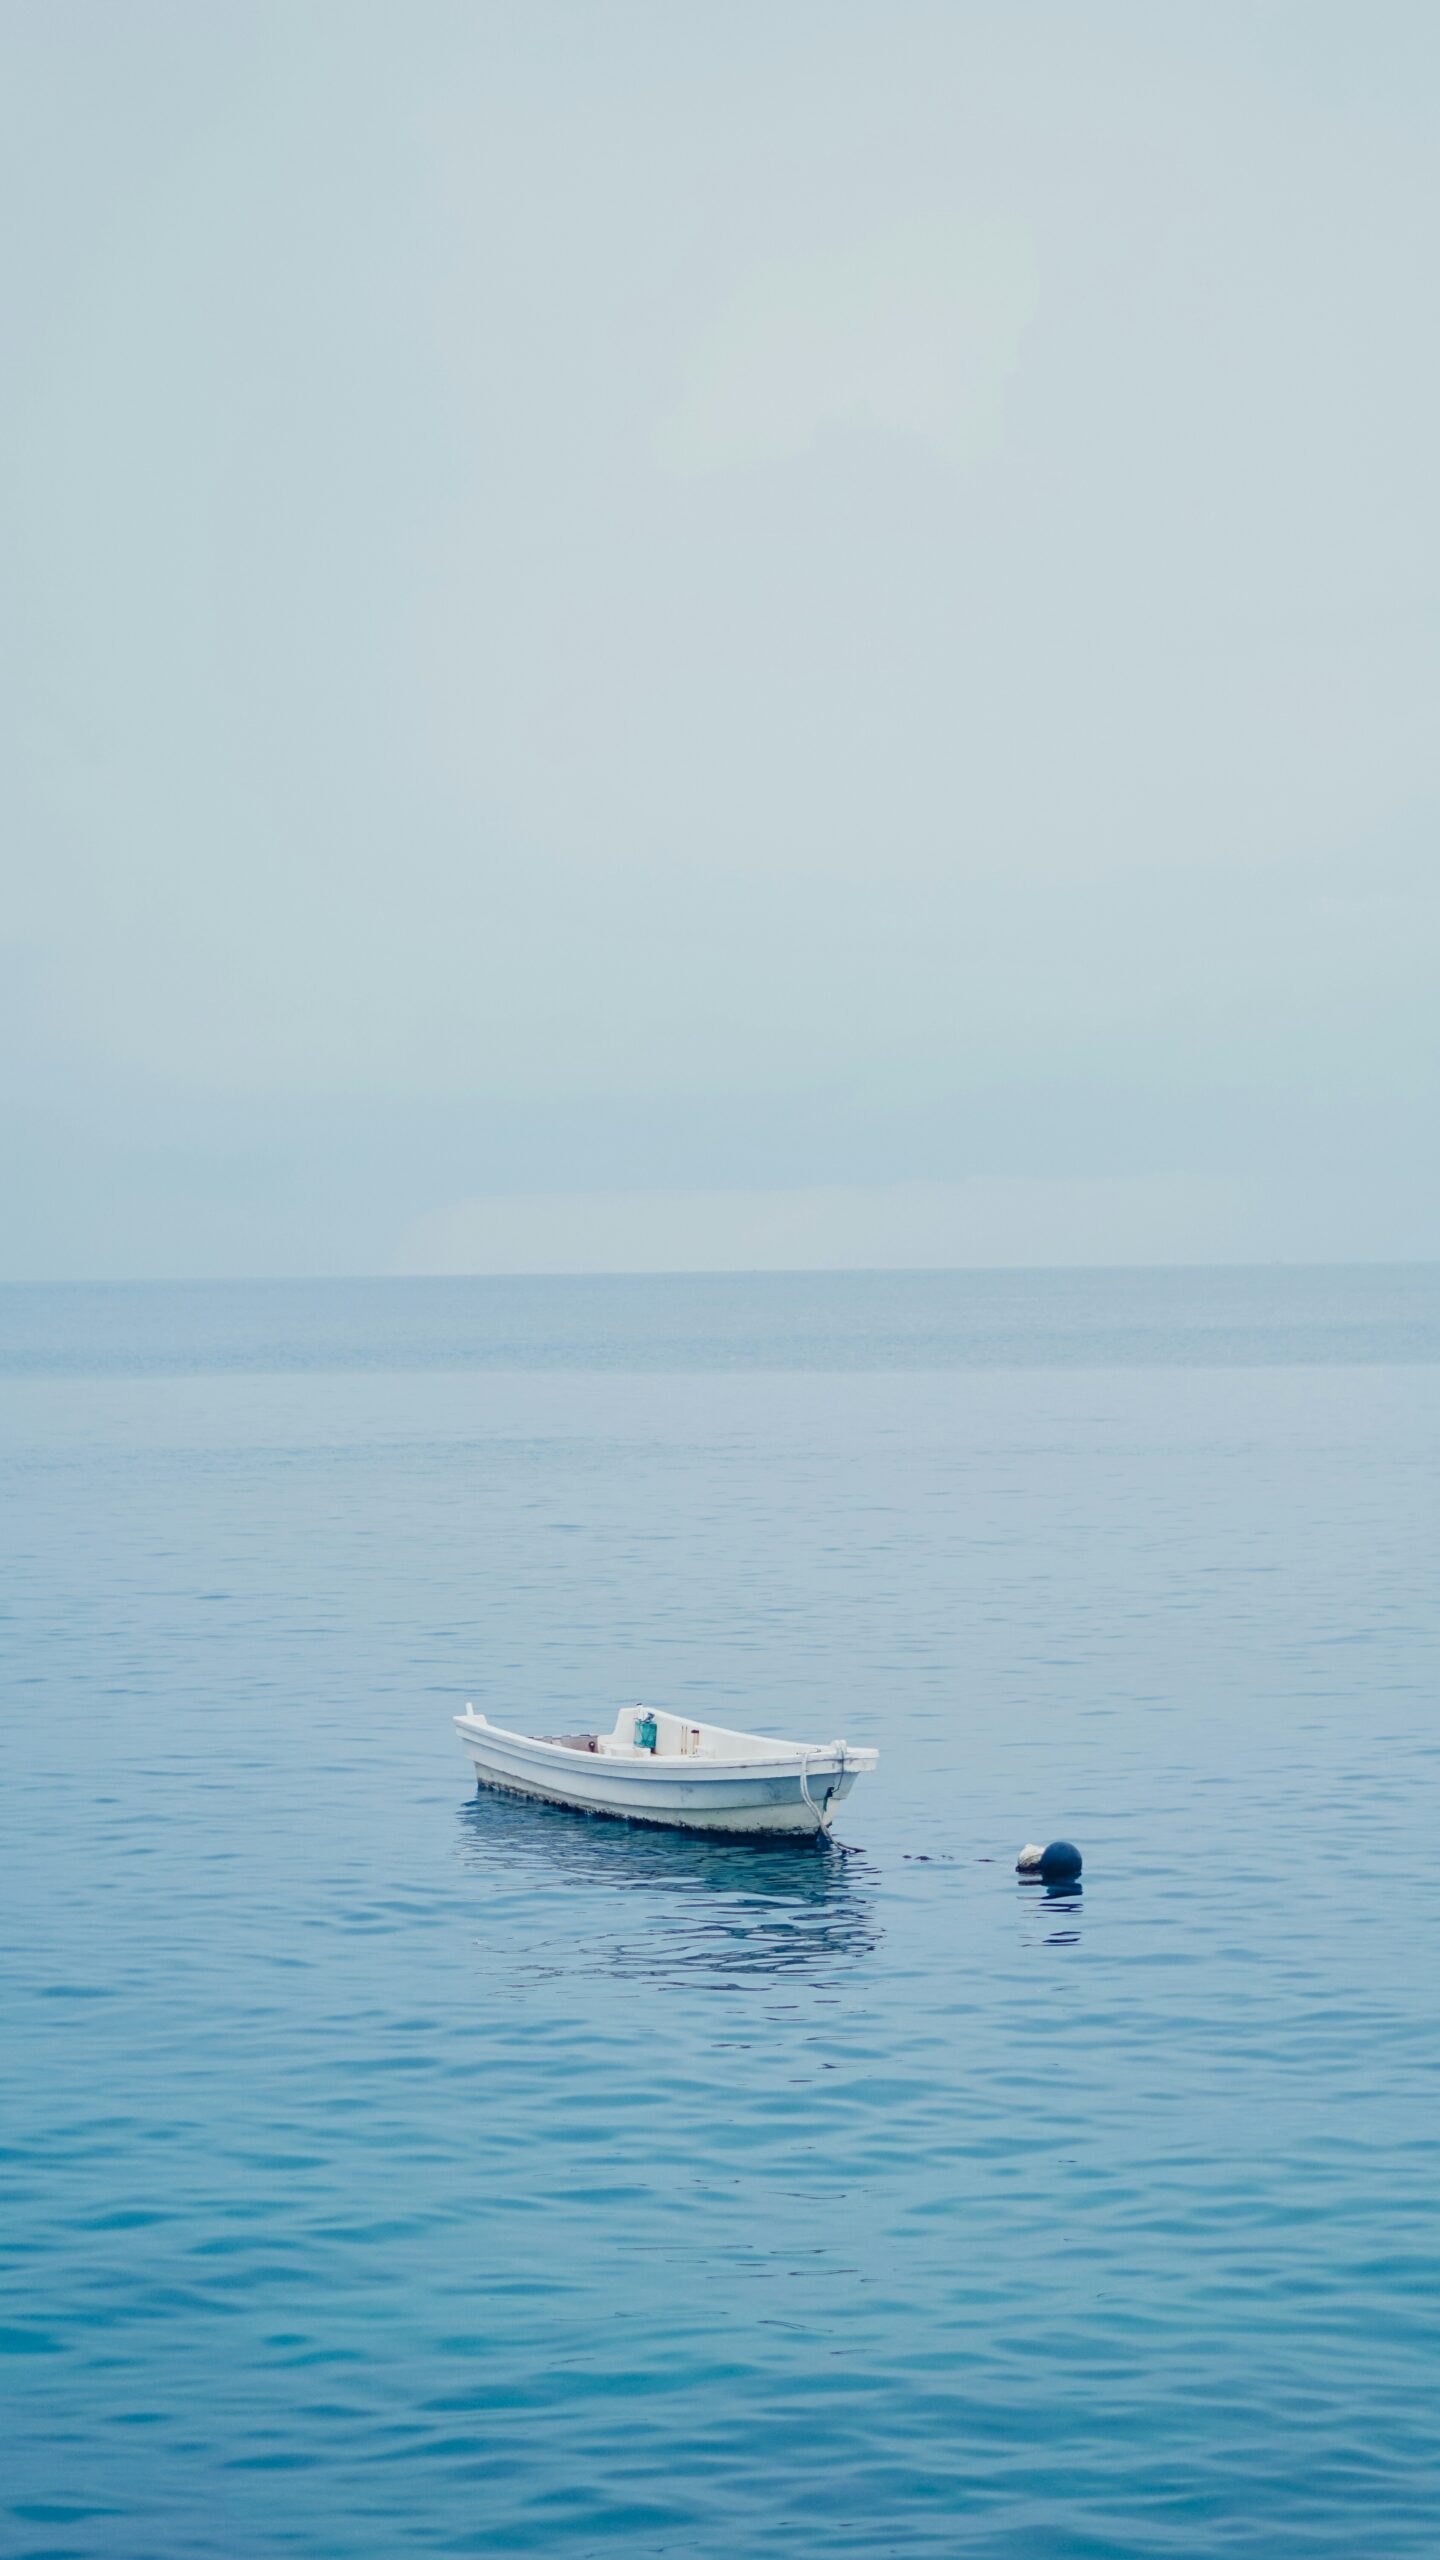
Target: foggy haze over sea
[[651, 637]]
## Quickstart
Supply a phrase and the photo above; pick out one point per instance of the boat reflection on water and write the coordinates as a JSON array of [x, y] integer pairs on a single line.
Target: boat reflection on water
[[633, 1899]]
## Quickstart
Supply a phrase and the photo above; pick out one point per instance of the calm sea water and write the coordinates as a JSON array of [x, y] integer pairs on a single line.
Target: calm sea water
[[392, 2170]]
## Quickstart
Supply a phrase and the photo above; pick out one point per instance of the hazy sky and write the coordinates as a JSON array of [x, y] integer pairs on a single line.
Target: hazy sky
[[665, 633]]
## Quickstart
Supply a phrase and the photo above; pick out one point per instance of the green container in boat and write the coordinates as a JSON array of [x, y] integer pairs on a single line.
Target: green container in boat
[[645, 1733]]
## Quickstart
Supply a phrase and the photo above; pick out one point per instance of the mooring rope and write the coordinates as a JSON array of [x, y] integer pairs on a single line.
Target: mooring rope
[[822, 1818]]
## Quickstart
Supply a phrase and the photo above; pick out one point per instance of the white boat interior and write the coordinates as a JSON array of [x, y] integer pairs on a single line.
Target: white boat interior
[[650, 1734]]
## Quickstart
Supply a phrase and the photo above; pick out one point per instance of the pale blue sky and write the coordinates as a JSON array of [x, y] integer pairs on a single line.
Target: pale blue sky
[[667, 634]]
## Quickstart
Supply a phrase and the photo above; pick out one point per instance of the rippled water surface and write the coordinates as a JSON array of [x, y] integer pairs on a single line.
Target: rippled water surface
[[389, 2169]]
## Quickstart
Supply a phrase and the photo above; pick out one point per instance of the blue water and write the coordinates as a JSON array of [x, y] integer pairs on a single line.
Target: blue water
[[391, 2170]]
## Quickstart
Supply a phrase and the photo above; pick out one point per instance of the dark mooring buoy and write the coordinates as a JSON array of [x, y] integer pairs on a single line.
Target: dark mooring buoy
[[1059, 1864]]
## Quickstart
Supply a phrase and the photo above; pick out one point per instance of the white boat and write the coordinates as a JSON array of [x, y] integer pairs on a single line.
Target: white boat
[[654, 1767]]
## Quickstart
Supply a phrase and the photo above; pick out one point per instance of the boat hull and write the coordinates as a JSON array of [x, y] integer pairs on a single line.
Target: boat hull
[[787, 1794]]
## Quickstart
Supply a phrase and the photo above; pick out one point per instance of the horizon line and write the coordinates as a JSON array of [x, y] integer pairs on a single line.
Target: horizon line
[[799, 1271]]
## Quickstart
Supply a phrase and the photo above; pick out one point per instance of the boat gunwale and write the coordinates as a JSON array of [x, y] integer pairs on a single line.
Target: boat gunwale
[[852, 1759]]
